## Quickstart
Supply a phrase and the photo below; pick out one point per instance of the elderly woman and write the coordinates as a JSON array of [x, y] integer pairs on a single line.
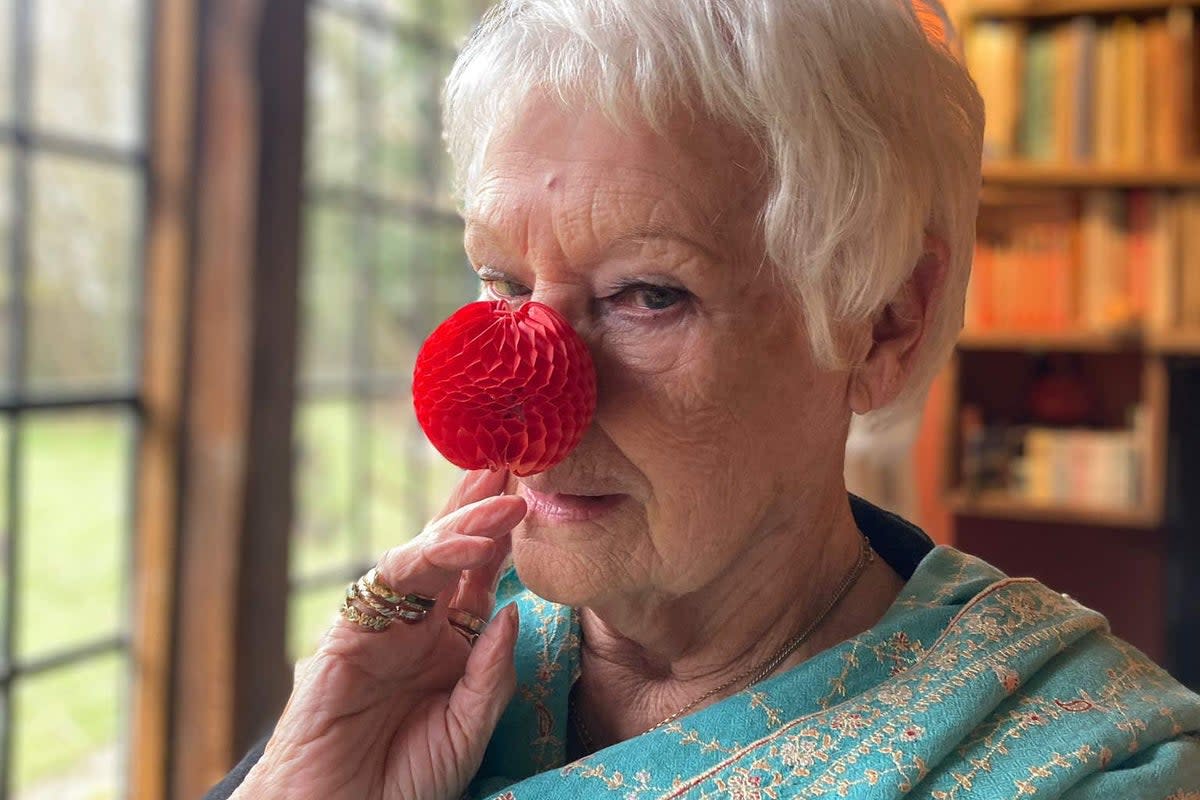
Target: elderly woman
[[759, 217]]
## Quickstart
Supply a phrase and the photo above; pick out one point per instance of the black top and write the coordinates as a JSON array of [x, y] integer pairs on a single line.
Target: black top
[[897, 541]]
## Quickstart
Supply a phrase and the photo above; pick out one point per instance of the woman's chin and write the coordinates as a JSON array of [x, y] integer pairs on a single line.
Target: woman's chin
[[555, 570]]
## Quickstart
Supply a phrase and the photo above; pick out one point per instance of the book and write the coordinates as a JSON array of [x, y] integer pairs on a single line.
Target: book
[[1189, 267], [1102, 260], [1073, 467], [1082, 104], [1162, 305], [994, 58], [1107, 103], [1124, 92], [1025, 276], [1037, 115], [1131, 92], [1103, 256], [1163, 86], [1184, 53]]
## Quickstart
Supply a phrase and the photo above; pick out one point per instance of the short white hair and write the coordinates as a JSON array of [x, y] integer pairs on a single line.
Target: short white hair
[[871, 129]]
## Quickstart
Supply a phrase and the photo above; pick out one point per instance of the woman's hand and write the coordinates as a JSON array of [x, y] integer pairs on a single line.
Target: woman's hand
[[406, 713]]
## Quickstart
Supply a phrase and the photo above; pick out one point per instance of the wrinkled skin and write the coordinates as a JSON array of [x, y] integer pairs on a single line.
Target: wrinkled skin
[[713, 417], [719, 433], [405, 713]]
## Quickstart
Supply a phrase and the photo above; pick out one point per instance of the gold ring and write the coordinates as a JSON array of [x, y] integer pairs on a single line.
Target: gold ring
[[358, 591], [373, 584], [370, 622], [466, 624]]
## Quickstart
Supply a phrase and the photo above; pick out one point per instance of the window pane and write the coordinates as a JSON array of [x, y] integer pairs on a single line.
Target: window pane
[[334, 140], [400, 313], [458, 18], [399, 502], [7, 10], [401, 10], [5, 433], [75, 529], [402, 79], [422, 277], [310, 613], [67, 731], [84, 246], [6, 210], [323, 538], [328, 295], [457, 283], [87, 67]]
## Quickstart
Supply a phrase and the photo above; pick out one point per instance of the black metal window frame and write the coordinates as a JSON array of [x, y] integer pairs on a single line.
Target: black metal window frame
[[365, 206], [19, 136]]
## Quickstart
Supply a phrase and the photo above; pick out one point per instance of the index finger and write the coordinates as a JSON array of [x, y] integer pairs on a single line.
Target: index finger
[[475, 485]]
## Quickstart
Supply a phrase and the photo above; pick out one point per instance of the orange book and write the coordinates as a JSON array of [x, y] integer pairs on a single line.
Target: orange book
[[1163, 84], [1137, 262], [1163, 303], [1025, 269], [1189, 211], [1181, 30], [1131, 91], [1106, 105], [1064, 288], [977, 315]]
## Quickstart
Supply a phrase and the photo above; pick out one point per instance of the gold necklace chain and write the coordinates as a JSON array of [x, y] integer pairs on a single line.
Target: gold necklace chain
[[759, 672]]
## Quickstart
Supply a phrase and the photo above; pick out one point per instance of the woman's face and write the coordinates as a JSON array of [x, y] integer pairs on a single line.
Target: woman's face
[[714, 429]]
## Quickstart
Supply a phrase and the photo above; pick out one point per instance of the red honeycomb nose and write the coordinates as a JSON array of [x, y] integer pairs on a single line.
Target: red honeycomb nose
[[504, 389]]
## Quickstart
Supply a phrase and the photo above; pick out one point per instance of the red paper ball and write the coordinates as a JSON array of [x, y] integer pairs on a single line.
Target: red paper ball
[[504, 388]]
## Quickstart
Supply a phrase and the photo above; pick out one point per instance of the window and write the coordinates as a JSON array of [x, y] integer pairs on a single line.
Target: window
[[73, 176], [383, 265]]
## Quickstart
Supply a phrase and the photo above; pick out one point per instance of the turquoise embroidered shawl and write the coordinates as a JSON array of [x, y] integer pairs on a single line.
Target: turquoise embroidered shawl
[[973, 685]]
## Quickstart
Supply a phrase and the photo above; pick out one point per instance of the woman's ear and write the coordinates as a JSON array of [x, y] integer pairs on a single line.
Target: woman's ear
[[897, 331]]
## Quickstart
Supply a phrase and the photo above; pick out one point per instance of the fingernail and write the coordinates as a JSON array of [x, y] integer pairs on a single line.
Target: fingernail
[[513, 620]]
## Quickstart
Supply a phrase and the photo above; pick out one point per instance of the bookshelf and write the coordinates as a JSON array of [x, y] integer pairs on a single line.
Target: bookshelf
[[1169, 343], [1085, 296], [1065, 342], [1023, 173], [1040, 9], [1000, 506]]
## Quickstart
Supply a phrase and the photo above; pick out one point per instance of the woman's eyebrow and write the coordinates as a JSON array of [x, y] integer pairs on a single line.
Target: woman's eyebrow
[[638, 234], [641, 233]]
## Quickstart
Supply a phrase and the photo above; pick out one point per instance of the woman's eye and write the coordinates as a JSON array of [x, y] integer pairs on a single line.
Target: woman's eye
[[506, 289], [653, 298]]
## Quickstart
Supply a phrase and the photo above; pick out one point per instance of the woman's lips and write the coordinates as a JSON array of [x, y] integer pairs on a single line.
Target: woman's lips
[[568, 507]]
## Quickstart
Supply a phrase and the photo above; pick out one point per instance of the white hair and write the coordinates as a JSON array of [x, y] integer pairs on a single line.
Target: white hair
[[871, 129]]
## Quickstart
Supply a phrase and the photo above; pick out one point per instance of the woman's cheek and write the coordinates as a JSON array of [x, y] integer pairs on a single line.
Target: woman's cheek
[[647, 348]]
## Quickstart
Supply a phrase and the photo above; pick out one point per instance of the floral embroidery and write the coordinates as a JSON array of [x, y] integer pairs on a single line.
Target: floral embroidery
[[899, 695], [848, 723], [803, 751], [1015, 691]]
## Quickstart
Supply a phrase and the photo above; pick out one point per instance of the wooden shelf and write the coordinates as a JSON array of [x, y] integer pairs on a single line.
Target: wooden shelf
[[1021, 9], [1178, 343], [1072, 342], [999, 505], [1027, 173]]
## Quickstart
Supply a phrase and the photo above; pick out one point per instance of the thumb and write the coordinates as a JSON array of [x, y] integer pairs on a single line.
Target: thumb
[[485, 688]]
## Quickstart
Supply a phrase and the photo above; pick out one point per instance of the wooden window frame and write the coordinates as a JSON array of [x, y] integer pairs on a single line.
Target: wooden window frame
[[214, 487]]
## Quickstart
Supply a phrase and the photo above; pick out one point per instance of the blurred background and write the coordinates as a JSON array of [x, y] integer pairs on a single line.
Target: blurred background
[[226, 227]]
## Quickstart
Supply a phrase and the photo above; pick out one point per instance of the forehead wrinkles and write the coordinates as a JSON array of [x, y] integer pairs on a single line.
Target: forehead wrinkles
[[586, 203]]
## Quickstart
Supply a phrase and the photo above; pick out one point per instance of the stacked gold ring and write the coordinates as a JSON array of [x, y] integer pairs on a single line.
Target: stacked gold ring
[[373, 605], [466, 624]]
